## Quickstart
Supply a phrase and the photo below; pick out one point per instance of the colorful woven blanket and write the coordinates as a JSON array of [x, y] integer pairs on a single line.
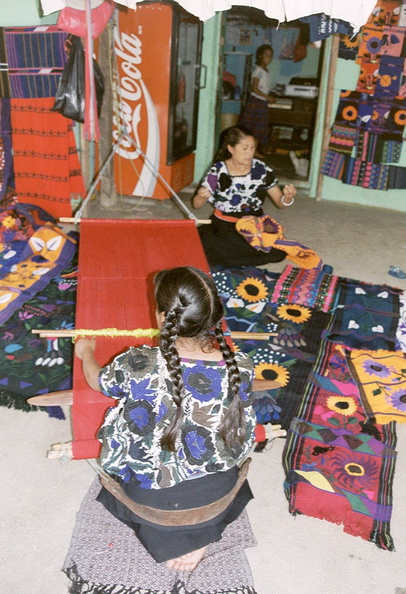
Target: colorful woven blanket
[[339, 466]]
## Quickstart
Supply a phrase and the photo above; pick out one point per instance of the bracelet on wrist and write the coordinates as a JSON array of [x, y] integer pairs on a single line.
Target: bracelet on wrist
[[283, 200]]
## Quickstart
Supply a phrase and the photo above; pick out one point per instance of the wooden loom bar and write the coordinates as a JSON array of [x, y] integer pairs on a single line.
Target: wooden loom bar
[[73, 334]]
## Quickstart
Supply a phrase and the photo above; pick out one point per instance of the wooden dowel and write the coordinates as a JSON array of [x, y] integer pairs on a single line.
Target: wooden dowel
[[74, 221], [64, 397], [72, 334]]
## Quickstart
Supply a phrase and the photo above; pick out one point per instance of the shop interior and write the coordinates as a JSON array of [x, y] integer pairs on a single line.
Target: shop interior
[[295, 72]]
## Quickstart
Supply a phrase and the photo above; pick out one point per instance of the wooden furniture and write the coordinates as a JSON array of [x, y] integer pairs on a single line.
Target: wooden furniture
[[300, 119]]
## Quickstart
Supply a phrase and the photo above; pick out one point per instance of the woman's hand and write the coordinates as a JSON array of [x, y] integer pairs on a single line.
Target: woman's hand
[[201, 197], [84, 349], [84, 345], [289, 191]]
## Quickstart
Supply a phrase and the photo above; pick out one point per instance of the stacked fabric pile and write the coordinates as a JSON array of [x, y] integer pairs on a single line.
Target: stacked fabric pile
[[337, 347]]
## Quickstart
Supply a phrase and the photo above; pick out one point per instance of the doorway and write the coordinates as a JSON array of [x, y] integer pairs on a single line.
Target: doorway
[[295, 73]]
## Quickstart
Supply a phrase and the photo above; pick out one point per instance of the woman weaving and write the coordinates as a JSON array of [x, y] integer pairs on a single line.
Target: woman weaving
[[183, 425], [237, 186]]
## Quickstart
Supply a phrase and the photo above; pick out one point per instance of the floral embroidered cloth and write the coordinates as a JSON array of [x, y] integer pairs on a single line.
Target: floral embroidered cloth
[[264, 233], [339, 465], [132, 431], [381, 376], [289, 353]]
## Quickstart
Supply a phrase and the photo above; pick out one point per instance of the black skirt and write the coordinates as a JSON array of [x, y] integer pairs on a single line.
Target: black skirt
[[224, 246], [167, 542]]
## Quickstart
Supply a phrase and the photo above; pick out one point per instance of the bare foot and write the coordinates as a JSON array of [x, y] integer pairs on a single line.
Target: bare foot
[[186, 562]]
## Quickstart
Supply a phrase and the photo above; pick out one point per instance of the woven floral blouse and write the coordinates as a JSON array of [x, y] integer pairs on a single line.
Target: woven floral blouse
[[237, 193], [132, 430]]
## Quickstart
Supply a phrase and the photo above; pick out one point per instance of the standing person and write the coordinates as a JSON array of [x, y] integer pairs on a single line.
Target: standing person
[[184, 422], [255, 114], [237, 185]]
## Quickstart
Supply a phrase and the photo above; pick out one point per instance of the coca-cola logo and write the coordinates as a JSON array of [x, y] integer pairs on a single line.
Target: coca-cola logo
[[133, 94]]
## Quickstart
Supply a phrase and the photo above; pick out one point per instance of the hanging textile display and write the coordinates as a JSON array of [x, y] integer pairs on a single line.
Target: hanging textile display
[[46, 163], [33, 58], [367, 134]]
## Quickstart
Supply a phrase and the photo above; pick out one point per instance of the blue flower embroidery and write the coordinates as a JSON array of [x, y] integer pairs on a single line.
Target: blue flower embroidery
[[141, 390], [197, 444], [204, 383]]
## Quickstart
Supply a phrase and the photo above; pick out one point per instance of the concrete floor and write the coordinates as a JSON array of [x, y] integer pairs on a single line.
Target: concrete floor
[[294, 555]]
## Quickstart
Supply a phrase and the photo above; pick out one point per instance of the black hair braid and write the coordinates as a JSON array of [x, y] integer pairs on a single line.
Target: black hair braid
[[233, 425], [169, 334]]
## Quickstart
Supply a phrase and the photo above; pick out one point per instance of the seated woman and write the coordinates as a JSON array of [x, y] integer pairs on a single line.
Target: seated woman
[[237, 185]]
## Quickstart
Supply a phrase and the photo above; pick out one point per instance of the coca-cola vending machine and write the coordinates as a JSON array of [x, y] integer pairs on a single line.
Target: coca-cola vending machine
[[158, 50]]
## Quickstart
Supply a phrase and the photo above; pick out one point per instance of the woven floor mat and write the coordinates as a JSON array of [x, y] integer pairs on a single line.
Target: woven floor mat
[[105, 557]]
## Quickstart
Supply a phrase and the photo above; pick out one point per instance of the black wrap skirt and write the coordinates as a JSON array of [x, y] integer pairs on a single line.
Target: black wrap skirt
[[167, 542]]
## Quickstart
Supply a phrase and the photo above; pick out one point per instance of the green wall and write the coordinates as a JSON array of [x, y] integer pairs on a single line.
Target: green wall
[[23, 13]]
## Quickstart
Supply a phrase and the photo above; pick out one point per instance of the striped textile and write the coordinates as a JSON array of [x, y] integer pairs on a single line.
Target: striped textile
[[46, 163], [32, 60]]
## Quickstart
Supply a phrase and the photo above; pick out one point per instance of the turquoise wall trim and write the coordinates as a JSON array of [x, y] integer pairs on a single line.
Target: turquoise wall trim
[[23, 13], [206, 127]]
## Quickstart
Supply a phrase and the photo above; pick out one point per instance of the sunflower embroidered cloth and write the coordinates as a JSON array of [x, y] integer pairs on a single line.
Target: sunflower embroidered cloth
[[339, 464], [132, 431], [290, 351], [264, 233]]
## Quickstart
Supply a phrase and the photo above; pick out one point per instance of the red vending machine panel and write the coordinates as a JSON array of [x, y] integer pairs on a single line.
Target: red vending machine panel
[[158, 51]]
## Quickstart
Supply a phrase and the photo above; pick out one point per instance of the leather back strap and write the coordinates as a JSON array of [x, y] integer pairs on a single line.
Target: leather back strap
[[182, 517]]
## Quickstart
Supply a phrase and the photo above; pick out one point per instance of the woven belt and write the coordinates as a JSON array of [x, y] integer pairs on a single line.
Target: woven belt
[[182, 517], [220, 215]]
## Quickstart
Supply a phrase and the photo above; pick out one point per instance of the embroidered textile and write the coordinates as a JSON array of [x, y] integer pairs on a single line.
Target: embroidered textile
[[401, 329], [339, 466], [6, 157], [342, 139], [236, 193], [46, 164], [132, 431], [264, 233], [46, 253], [34, 59], [333, 164], [30, 365], [348, 46], [287, 356], [366, 314], [105, 555], [311, 288], [367, 175], [381, 376]]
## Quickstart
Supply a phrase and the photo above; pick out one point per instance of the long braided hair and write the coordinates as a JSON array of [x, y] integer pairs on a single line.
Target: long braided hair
[[191, 306]]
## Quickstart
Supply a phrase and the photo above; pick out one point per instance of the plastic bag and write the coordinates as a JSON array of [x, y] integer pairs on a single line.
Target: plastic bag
[[74, 20], [70, 95]]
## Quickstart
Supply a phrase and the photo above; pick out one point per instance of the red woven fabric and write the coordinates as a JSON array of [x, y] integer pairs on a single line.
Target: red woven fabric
[[117, 263], [46, 164]]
